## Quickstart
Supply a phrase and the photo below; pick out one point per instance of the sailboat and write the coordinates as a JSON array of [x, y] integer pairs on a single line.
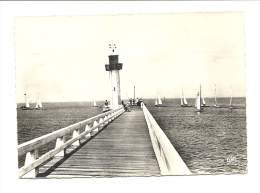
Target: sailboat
[[216, 104], [184, 103], [94, 103], [204, 103], [158, 101], [38, 105], [231, 106], [27, 105], [198, 106]]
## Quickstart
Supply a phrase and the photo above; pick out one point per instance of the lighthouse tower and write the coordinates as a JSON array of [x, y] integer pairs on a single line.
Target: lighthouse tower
[[113, 67]]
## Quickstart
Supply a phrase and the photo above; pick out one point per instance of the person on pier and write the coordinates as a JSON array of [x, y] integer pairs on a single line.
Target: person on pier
[[106, 103], [125, 107], [130, 100]]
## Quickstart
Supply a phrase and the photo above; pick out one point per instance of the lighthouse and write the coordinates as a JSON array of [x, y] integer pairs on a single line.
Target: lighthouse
[[113, 67]]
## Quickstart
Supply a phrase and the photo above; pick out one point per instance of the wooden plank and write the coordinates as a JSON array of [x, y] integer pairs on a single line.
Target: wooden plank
[[123, 148]]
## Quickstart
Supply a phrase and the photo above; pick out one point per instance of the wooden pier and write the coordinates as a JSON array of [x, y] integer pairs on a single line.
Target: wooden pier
[[122, 148]]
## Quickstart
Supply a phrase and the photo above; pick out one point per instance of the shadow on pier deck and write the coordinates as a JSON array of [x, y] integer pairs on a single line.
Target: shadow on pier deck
[[123, 148]]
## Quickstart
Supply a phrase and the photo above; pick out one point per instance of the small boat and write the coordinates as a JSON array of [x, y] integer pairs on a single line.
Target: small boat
[[231, 106], [38, 105], [184, 103], [216, 104], [198, 106], [158, 102], [204, 103], [27, 105]]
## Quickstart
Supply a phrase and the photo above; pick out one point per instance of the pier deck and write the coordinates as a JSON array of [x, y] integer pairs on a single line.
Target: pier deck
[[123, 148]]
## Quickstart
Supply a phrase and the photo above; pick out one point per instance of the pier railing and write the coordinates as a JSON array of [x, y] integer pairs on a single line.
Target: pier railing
[[169, 160], [30, 148]]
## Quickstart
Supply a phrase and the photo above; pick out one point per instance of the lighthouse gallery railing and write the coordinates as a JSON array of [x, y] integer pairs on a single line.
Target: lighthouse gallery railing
[[30, 148]]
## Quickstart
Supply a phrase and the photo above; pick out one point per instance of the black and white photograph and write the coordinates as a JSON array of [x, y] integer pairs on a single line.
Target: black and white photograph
[[131, 95]]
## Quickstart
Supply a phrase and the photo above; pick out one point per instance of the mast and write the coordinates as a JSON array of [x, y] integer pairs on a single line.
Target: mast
[[200, 94], [40, 103], [159, 99], [37, 101], [134, 93], [199, 100], [215, 95], [231, 97]]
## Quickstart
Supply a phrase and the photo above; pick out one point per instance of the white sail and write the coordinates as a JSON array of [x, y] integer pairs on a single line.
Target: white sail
[[184, 100], [159, 100], [215, 96], [198, 101], [94, 104], [26, 103], [181, 102], [231, 97], [156, 102], [203, 101], [38, 104]]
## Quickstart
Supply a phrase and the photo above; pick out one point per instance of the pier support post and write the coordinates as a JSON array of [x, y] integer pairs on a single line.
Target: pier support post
[[30, 158], [59, 142], [76, 134]]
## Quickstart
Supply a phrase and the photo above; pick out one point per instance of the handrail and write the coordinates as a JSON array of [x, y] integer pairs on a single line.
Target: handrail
[[30, 148], [169, 160]]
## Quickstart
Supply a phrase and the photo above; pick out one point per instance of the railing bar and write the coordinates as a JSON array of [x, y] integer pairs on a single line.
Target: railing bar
[[37, 142], [170, 155], [25, 169]]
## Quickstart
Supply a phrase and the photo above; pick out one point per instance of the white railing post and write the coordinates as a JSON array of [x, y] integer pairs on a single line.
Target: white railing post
[[169, 160], [87, 128], [112, 116], [59, 142], [30, 148], [101, 122], [95, 123], [106, 120], [30, 158], [76, 133]]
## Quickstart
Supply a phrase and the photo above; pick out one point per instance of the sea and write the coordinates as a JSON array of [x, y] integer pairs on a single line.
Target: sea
[[210, 142]]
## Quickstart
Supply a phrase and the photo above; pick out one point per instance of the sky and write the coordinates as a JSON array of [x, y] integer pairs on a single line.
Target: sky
[[63, 57]]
